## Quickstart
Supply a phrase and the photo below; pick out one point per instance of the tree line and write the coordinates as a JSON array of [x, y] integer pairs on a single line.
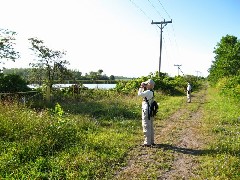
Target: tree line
[[224, 72], [48, 66], [74, 76]]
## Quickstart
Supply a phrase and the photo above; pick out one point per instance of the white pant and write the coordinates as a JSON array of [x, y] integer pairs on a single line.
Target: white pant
[[148, 130], [188, 96]]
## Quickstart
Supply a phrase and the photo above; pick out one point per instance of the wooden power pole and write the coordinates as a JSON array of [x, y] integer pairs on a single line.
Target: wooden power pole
[[162, 25], [178, 65]]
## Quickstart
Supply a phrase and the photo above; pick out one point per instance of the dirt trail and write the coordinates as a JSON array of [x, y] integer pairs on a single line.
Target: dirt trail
[[179, 142]]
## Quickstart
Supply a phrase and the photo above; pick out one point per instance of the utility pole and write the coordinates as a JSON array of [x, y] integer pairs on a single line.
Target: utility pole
[[178, 67], [162, 25], [197, 73]]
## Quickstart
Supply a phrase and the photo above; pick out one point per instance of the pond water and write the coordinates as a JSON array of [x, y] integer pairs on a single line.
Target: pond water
[[90, 86], [100, 86]]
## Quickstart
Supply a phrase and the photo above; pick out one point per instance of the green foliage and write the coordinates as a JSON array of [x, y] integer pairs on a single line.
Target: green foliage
[[37, 76], [222, 117], [86, 137], [225, 70], [107, 104], [229, 87], [58, 110], [227, 59], [50, 63], [12, 83], [7, 51], [164, 83], [53, 144], [97, 76]]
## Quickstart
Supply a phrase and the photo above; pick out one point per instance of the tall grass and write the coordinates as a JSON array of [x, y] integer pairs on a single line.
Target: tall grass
[[50, 145], [223, 122], [80, 138]]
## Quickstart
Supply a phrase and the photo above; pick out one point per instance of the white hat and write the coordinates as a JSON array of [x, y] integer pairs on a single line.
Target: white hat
[[150, 81]]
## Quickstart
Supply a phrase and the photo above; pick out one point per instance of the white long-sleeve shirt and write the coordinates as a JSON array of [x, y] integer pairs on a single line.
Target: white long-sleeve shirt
[[148, 94]]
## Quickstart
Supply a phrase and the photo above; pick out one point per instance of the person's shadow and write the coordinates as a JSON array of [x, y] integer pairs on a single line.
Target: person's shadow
[[196, 152]]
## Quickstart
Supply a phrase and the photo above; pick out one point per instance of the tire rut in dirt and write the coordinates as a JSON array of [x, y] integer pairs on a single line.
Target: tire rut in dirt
[[178, 145], [188, 145]]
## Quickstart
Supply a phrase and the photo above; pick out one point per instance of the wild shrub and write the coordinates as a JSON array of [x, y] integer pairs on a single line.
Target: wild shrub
[[222, 117], [12, 83], [65, 143], [230, 86], [164, 83]]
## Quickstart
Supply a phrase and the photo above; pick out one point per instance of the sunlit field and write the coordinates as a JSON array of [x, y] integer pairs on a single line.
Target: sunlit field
[[90, 137], [222, 120], [85, 139]]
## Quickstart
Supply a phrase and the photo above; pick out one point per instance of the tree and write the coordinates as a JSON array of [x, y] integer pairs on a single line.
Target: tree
[[93, 75], [7, 51], [112, 77], [22, 72], [227, 59], [100, 71], [12, 83], [50, 63]]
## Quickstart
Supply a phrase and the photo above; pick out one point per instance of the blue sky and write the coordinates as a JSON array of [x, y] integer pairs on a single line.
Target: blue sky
[[117, 35]]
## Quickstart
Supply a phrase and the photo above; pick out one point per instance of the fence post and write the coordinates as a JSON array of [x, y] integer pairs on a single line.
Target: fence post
[[48, 93]]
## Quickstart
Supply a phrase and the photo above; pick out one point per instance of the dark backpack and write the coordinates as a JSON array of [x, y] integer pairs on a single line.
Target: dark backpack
[[153, 108]]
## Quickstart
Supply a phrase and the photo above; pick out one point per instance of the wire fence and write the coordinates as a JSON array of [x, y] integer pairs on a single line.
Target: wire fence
[[21, 97]]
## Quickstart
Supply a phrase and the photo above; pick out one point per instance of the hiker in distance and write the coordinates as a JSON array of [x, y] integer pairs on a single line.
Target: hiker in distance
[[189, 89], [146, 92]]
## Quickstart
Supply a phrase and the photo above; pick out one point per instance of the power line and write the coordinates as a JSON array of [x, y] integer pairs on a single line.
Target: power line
[[162, 24], [172, 24], [174, 34], [175, 37], [164, 9], [145, 14], [155, 9], [142, 11]]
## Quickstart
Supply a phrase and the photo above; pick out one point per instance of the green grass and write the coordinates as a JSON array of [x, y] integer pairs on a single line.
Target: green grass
[[47, 146], [168, 105], [87, 139], [222, 120]]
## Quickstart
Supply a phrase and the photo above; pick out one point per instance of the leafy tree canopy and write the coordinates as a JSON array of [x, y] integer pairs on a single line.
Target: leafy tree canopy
[[49, 63], [227, 59], [7, 42], [12, 83]]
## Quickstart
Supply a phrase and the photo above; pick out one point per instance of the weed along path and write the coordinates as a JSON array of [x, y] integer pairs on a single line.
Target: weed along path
[[179, 143]]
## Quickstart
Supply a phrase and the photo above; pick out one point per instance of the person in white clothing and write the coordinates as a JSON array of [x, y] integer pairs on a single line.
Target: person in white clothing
[[189, 89], [146, 92]]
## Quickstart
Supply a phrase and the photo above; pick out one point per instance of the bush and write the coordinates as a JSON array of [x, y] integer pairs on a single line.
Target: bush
[[230, 87], [12, 83], [164, 83]]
